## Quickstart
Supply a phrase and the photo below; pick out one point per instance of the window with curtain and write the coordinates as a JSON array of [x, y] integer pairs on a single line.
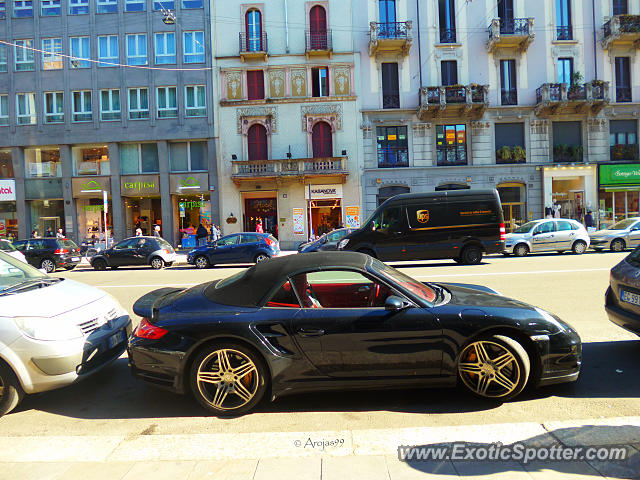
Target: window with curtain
[[108, 50], [623, 79], [53, 107], [447, 17], [563, 20], [565, 70], [4, 110], [322, 140], [257, 142], [254, 31], [390, 86], [508, 91], [318, 28], [255, 84], [620, 7], [392, 147], [166, 102], [165, 48], [196, 101]]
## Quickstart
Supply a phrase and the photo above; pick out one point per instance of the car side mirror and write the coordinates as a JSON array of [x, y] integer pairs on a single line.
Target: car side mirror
[[394, 304]]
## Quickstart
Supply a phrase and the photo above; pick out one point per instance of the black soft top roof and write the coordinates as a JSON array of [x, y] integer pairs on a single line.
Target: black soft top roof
[[257, 281]]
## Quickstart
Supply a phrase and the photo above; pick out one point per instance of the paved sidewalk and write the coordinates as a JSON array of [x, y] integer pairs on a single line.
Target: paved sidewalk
[[358, 454]]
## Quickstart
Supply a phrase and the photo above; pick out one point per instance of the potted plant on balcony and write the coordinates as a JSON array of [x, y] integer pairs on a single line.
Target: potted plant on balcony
[[576, 85], [519, 154], [504, 154], [618, 152], [575, 153], [560, 152]]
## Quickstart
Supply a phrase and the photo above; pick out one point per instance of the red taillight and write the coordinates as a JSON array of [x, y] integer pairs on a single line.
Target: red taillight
[[503, 233], [165, 250], [149, 331], [270, 242], [61, 250]]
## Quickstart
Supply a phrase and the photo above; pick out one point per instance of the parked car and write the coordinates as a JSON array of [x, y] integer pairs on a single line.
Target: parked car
[[617, 237], [329, 241], [622, 298], [135, 251], [50, 253], [547, 235], [53, 331], [337, 320], [244, 247], [7, 247], [458, 224]]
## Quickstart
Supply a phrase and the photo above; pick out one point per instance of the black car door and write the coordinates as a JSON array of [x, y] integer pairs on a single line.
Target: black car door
[[143, 249], [122, 253], [36, 251], [345, 330]]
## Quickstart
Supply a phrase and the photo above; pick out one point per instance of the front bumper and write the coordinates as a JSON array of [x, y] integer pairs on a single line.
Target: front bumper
[[46, 365], [600, 243], [561, 356]]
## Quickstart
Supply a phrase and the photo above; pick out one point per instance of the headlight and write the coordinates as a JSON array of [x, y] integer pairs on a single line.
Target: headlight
[[343, 243], [552, 320], [40, 328]]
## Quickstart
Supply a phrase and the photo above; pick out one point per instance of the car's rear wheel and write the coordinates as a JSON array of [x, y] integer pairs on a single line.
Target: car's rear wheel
[[228, 379], [494, 366], [579, 247], [99, 264], [520, 250], [261, 257], [10, 391], [201, 262], [471, 255], [618, 245], [48, 265], [156, 263]]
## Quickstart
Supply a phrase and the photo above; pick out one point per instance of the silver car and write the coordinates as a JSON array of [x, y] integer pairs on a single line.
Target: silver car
[[548, 235], [617, 237]]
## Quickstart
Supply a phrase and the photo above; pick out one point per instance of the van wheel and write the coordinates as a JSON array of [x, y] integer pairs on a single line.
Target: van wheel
[[521, 250], [366, 251], [10, 391], [579, 247], [471, 255]]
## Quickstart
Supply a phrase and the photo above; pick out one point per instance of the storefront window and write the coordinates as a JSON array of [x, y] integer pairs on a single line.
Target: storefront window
[[392, 147], [47, 214], [8, 220], [265, 209], [143, 213], [91, 219], [623, 139], [190, 212], [326, 215], [42, 162], [451, 145], [6, 165], [138, 158], [91, 160], [187, 156], [568, 194]]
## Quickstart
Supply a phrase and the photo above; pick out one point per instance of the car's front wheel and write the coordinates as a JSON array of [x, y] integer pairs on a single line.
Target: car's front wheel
[[157, 263], [494, 366], [471, 255], [617, 245], [579, 247], [48, 265], [10, 391], [261, 257], [99, 264], [228, 379], [201, 262]]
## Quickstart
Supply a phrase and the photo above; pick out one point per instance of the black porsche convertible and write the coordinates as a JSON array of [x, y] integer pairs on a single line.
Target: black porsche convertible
[[338, 320]]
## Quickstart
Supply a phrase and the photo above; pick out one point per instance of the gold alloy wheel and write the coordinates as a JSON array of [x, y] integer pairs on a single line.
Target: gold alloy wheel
[[489, 369], [227, 379]]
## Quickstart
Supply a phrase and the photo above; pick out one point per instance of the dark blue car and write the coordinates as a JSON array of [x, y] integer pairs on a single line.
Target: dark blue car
[[326, 242], [244, 247]]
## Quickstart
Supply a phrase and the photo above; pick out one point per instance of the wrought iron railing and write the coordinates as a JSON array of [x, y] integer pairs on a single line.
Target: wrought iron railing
[[253, 43], [577, 92], [391, 100], [623, 94], [509, 97], [564, 32], [620, 24], [318, 40], [512, 26], [455, 94], [391, 30], [447, 35]]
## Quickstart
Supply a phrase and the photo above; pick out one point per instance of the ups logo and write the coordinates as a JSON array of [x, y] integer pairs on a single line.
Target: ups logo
[[423, 216]]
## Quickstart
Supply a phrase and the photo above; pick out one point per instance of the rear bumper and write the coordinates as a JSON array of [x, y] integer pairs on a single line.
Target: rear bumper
[[68, 261], [623, 319]]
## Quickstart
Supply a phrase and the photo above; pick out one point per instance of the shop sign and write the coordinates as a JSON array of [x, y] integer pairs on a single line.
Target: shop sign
[[93, 208], [134, 186], [620, 174], [83, 187], [7, 190], [352, 217], [319, 192], [190, 205], [298, 221], [188, 183]]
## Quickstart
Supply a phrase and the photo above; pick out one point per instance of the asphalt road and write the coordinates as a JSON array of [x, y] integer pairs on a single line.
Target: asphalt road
[[113, 403]]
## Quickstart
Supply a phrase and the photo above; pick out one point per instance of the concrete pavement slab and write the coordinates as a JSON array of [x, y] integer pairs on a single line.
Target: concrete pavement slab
[[629, 468], [96, 471], [57, 449], [364, 467], [33, 471], [561, 471], [242, 469], [606, 431], [413, 470], [494, 470], [160, 470], [289, 469]]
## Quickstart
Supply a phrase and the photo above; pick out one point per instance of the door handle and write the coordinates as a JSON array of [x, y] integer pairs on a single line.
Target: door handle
[[364, 289], [310, 332]]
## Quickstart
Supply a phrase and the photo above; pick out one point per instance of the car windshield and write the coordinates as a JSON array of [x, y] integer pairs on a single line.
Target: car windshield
[[14, 272], [7, 246], [623, 224], [417, 288], [526, 228]]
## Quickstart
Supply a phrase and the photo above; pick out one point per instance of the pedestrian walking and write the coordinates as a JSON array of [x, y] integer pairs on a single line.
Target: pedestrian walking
[[59, 234], [259, 228], [138, 232], [156, 231], [201, 235]]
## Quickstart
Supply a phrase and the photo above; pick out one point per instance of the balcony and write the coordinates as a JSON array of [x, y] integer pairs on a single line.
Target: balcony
[[621, 31], [562, 99], [623, 94], [318, 44], [564, 32], [468, 101], [514, 33], [509, 97], [621, 152], [293, 169], [253, 47], [390, 38]]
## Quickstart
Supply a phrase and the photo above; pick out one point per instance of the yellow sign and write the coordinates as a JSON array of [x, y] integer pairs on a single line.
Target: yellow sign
[[423, 216], [392, 137]]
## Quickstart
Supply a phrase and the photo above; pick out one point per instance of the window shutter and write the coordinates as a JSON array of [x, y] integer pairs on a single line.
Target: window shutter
[[257, 142], [321, 140]]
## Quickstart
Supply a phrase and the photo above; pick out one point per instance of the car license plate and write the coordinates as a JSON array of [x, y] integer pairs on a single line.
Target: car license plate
[[75, 259], [629, 297], [116, 339]]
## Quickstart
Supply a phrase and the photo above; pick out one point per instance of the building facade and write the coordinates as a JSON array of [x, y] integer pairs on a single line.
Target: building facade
[[530, 98], [108, 96], [287, 117]]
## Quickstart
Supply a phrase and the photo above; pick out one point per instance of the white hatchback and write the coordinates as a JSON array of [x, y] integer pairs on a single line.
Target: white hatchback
[[53, 331], [7, 247], [548, 235]]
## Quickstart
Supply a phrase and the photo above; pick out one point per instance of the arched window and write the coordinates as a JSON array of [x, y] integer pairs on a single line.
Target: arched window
[[386, 193], [257, 141], [254, 31], [321, 140], [318, 28]]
